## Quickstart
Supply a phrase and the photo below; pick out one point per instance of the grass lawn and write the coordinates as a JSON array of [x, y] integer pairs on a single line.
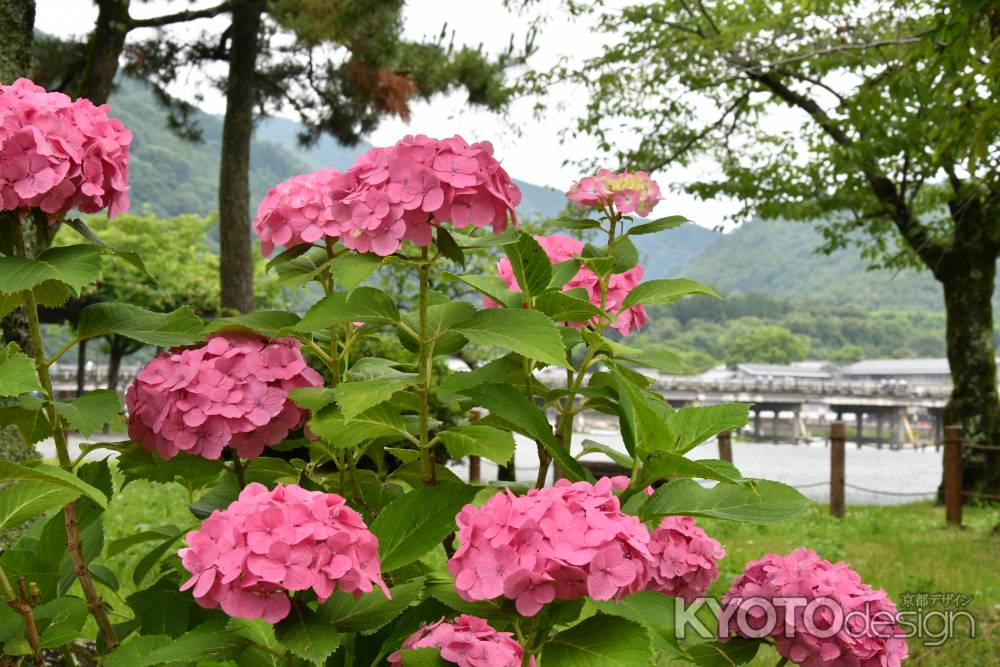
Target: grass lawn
[[904, 549]]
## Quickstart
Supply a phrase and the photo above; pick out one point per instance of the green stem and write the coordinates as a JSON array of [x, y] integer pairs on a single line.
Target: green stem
[[63, 350], [424, 368], [782, 662], [238, 470], [23, 607], [73, 544]]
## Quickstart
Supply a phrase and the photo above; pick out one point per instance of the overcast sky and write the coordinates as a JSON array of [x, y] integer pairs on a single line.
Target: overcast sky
[[534, 153]]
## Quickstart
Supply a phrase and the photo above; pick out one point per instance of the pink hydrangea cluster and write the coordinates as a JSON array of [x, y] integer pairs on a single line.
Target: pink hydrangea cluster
[[394, 194], [297, 211], [247, 557], [686, 558], [57, 154], [628, 192], [826, 617], [561, 248], [468, 641], [231, 390], [567, 541]]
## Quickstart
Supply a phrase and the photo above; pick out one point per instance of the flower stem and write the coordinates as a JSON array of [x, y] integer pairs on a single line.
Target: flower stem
[[23, 607], [75, 548], [238, 469], [782, 662], [424, 361]]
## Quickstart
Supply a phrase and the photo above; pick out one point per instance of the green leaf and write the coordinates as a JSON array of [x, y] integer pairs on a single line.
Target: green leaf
[[12, 472], [665, 291], [626, 255], [180, 327], [151, 559], [599, 641], [414, 524], [576, 224], [192, 647], [33, 425], [492, 286], [448, 247], [428, 656], [136, 462], [162, 609], [562, 307], [563, 272], [268, 323], [60, 620], [478, 440], [441, 587], [19, 502], [527, 332], [762, 502], [356, 397], [658, 225], [659, 358], [643, 417], [506, 237], [495, 371], [693, 425], [306, 634], [530, 263], [369, 612], [666, 465], [341, 433], [312, 398], [353, 268], [160, 533], [289, 254], [589, 446], [76, 266], [17, 372], [652, 610], [364, 304], [736, 651], [89, 413], [512, 406], [218, 496]]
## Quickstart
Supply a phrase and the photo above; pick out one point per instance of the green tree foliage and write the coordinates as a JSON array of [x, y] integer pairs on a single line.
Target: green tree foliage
[[766, 343], [888, 133]]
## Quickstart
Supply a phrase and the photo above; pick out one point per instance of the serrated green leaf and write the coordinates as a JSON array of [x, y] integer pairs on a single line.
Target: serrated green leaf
[[191, 647], [414, 524], [369, 612], [658, 225], [651, 609], [423, 657], [353, 268], [448, 247], [135, 462], [576, 224], [312, 398], [160, 533], [495, 371], [268, 323], [60, 621], [89, 413], [492, 286], [665, 291], [23, 500], [643, 417], [338, 432], [17, 372], [478, 440], [590, 446], [693, 425], [762, 502], [600, 641], [364, 304], [180, 327], [563, 272], [527, 332], [12, 472], [658, 358], [626, 255], [562, 307], [663, 464], [76, 266], [736, 651], [307, 635], [530, 264], [356, 397], [486, 241]]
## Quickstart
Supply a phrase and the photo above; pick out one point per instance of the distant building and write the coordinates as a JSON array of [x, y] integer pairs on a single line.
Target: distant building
[[914, 371], [802, 370]]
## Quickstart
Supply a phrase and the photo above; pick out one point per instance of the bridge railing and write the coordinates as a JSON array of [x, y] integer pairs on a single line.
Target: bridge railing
[[798, 385]]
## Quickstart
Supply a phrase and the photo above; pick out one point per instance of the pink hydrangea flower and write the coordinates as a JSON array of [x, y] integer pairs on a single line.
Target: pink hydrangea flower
[[391, 195], [868, 634], [561, 248], [628, 192], [563, 542], [686, 558], [57, 154], [467, 641], [247, 557], [297, 211], [233, 390]]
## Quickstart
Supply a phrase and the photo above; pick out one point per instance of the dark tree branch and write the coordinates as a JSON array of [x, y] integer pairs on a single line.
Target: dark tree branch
[[705, 131], [181, 17]]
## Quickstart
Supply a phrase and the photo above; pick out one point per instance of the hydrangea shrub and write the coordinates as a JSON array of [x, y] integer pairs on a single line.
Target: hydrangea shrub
[[324, 529]]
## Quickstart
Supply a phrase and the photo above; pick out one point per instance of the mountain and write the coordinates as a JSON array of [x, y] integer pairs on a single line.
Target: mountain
[[779, 258]]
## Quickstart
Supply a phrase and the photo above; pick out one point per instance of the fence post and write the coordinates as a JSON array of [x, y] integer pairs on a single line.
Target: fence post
[[953, 475], [726, 446], [837, 437], [474, 469]]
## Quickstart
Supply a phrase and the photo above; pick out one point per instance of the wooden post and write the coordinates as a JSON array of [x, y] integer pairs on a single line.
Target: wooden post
[[474, 469], [726, 446], [953, 475], [861, 427], [837, 469]]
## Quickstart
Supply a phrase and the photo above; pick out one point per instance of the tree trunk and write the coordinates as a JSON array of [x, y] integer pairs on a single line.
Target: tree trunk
[[104, 48], [17, 24], [116, 350], [81, 368], [235, 255]]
